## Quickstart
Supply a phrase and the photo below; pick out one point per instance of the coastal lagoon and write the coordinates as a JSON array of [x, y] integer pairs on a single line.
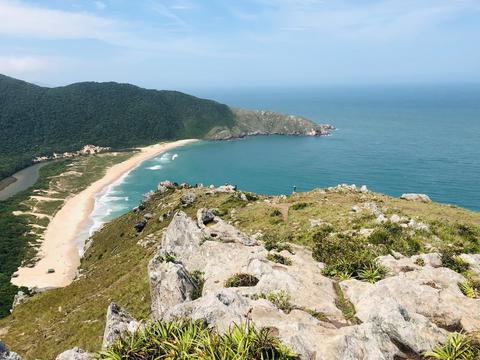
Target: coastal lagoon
[[392, 139]]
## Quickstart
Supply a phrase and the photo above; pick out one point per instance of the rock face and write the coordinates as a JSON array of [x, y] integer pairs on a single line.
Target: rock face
[[75, 354], [170, 284], [416, 197], [430, 292], [6, 354], [119, 323], [251, 122]]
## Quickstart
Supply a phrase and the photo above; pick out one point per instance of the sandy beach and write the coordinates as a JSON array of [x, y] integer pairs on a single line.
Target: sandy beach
[[59, 250]]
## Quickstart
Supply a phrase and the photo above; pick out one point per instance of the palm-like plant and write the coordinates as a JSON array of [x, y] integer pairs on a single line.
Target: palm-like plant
[[458, 347]]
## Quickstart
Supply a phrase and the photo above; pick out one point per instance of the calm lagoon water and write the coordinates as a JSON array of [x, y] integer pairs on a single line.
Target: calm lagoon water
[[392, 139]]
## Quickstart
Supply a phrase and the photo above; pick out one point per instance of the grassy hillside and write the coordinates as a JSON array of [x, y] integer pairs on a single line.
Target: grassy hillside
[[21, 234], [115, 265], [37, 120]]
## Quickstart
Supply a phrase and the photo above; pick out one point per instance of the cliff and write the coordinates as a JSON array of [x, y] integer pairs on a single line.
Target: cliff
[[338, 273]]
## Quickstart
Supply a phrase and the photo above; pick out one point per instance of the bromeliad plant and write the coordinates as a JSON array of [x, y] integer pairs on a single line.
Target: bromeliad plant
[[186, 339], [457, 347]]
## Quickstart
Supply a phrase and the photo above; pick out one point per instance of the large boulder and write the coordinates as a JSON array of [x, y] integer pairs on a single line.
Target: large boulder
[[170, 284], [402, 263], [75, 354], [6, 354], [119, 323], [431, 292]]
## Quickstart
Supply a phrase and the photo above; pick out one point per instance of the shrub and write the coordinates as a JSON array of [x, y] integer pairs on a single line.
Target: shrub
[[241, 279], [299, 206], [199, 280], [194, 340], [454, 262], [275, 242], [457, 347], [276, 213], [168, 257], [281, 299], [372, 273], [280, 259], [345, 306]]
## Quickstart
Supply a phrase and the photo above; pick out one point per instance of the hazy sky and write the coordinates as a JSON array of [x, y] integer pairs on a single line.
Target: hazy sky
[[217, 43]]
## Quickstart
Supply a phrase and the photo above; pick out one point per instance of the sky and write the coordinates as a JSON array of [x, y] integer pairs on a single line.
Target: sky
[[179, 44]]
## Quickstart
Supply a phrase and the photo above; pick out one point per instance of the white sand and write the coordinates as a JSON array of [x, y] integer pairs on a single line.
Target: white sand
[[59, 250]]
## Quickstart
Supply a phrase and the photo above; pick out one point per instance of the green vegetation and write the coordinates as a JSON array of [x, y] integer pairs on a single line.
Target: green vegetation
[[168, 258], [279, 259], [19, 241], [199, 279], [457, 347], [468, 289], [372, 273], [454, 262], [299, 206], [194, 340], [241, 279], [281, 299], [276, 242], [345, 306], [114, 267], [39, 121]]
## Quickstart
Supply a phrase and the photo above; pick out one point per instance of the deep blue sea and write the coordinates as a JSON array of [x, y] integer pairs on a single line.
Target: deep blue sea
[[423, 139]]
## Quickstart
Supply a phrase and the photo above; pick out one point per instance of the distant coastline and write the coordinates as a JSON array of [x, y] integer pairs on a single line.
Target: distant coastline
[[60, 250]]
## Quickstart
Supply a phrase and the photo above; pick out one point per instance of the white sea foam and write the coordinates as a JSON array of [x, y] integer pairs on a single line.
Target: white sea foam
[[154, 167], [174, 156]]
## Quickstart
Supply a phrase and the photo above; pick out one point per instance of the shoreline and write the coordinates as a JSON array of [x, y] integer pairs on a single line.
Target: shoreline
[[60, 248]]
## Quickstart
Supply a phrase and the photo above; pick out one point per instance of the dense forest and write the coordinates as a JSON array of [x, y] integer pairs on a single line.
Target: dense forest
[[36, 120]]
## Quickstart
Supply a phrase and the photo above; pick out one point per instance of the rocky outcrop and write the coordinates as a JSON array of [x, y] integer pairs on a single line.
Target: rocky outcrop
[[251, 122], [416, 197], [75, 354], [430, 292], [6, 354], [119, 323], [170, 284]]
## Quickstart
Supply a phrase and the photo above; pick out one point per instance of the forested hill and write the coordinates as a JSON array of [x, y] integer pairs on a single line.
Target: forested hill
[[37, 120]]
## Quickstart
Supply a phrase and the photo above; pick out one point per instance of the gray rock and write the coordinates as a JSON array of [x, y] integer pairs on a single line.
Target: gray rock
[[416, 197], [170, 284], [140, 225], [474, 261], [50, 271], [227, 188], [431, 292], [148, 216], [204, 217], [75, 354], [6, 354], [188, 198], [220, 308], [364, 189], [20, 298], [119, 323]]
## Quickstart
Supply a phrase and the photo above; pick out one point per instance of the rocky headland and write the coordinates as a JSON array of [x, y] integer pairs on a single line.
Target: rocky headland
[[256, 122]]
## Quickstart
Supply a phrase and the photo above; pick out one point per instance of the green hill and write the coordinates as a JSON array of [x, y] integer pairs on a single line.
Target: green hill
[[37, 120]]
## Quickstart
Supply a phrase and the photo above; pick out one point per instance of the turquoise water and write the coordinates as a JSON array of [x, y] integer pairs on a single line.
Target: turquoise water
[[394, 140]]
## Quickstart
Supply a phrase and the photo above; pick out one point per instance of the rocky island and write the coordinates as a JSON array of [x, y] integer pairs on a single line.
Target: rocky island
[[337, 273]]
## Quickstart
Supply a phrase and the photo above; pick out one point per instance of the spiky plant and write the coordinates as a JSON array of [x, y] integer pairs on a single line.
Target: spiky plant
[[468, 289], [372, 273], [457, 347], [194, 341]]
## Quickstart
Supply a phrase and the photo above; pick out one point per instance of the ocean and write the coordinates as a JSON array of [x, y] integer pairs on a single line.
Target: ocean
[[397, 139]]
